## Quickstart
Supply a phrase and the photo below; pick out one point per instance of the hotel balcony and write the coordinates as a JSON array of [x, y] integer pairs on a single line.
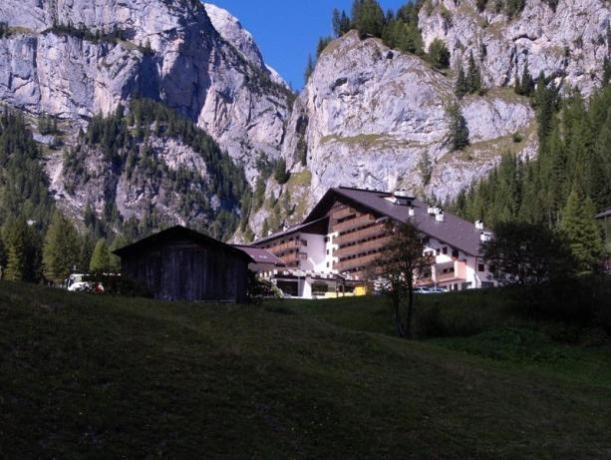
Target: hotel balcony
[[353, 224], [455, 271], [342, 213], [374, 231], [359, 262], [364, 247]]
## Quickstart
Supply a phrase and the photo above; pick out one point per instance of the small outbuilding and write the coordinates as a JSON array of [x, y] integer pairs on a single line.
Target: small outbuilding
[[182, 264]]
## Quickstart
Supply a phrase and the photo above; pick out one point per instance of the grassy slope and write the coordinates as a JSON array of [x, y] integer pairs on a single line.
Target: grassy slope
[[106, 377]]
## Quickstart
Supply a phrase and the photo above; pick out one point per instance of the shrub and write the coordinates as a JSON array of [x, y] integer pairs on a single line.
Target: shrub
[[438, 54]]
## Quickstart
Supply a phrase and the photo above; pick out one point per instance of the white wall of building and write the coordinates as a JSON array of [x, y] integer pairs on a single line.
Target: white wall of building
[[316, 253]]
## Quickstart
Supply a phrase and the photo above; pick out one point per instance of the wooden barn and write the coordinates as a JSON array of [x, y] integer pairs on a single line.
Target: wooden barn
[[181, 264]]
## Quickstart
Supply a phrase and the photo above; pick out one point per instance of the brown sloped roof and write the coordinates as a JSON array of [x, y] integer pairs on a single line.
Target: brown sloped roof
[[180, 232], [454, 231], [260, 256]]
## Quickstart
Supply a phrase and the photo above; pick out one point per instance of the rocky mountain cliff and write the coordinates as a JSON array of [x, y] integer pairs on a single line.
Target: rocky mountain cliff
[[372, 117], [568, 41], [73, 59], [369, 116]]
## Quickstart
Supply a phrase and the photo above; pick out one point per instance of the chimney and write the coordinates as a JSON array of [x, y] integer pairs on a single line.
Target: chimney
[[412, 211], [439, 216], [479, 225], [403, 198]]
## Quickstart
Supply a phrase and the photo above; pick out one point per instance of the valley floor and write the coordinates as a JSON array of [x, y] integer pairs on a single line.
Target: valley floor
[[104, 377]]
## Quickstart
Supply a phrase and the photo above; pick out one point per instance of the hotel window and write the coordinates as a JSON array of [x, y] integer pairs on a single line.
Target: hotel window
[[455, 253], [481, 267], [445, 250]]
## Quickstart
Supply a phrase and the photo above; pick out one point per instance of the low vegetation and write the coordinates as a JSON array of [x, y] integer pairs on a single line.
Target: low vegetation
[[86, 376]]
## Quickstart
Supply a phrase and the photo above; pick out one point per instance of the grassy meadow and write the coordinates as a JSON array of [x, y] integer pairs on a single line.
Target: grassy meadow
[[109, 377]]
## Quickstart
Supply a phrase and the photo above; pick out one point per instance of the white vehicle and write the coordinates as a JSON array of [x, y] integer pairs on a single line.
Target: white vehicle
[[76, 283]]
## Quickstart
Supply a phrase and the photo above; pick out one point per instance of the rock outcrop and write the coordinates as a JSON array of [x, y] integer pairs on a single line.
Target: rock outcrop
[[568, 41], [376, 118], [75, 58]]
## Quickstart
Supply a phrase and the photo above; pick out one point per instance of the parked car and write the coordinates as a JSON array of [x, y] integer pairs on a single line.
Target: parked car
[[430, 290], [78, 282]]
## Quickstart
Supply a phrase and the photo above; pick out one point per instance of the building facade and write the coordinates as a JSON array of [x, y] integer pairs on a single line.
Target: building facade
[[334, 250], [181, 264]]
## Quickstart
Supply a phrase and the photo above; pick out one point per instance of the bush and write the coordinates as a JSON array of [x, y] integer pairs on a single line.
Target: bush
[[438, 54]]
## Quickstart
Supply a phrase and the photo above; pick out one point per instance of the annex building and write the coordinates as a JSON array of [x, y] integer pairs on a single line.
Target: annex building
[[333, 250]]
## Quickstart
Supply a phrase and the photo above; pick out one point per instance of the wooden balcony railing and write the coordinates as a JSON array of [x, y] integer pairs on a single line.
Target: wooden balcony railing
[[372, 245], [360, 221], [286, 246], [373, 231], [360, 262], [341, 213]]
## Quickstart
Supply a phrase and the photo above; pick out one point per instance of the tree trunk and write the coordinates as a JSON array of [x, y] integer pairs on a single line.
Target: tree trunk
[[410, 307], [396, 303]]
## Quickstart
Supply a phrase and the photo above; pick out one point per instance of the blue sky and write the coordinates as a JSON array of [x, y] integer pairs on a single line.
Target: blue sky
[[287, 30]]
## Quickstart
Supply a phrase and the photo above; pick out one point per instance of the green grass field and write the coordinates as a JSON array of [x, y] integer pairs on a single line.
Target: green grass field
[[104, 377]]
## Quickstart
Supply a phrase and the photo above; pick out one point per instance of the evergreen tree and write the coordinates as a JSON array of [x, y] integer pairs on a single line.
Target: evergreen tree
[[115, 261], [280, 173], [341, 23], [474, 78], [368, 17], [527, 85], [461, 88], [459, 131], [583, 232], [61, 249], [309, 68], [23, 251], [439, 54], [100, 260]]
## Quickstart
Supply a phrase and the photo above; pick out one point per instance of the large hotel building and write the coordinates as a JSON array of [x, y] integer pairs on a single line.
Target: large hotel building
[[335, 247]]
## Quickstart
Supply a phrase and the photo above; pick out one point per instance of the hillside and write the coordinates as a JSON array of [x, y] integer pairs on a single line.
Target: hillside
[[86, 376]]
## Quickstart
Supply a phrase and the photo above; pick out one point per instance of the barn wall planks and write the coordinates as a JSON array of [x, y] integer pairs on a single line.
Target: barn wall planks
[[184, 270]]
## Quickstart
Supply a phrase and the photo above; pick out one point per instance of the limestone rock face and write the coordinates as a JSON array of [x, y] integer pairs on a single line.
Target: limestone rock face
[[77, 58], [569, 42], [375, 118]]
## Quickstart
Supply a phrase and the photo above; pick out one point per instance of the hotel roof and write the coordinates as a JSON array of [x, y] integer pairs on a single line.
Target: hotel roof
[[453, 230]]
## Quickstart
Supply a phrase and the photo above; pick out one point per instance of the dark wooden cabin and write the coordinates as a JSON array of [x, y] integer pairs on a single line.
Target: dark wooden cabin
[[181, 264]]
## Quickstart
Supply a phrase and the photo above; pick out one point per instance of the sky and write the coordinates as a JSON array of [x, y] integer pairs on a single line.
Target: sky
[[288, 30]]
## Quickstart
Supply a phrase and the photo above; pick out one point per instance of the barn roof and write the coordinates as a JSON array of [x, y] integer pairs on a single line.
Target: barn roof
[[261, 256], [453, 231], [180, 232]]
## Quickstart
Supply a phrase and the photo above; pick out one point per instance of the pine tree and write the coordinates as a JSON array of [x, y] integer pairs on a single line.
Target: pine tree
[[309, 68], [368, 18], [474, 77], [100, 260], [582, 230], [61, 249], [341, 23], [459, 131], [15, 237], [23, 251], [439, 55], [115, 261], [527, 85], [461, 89]]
